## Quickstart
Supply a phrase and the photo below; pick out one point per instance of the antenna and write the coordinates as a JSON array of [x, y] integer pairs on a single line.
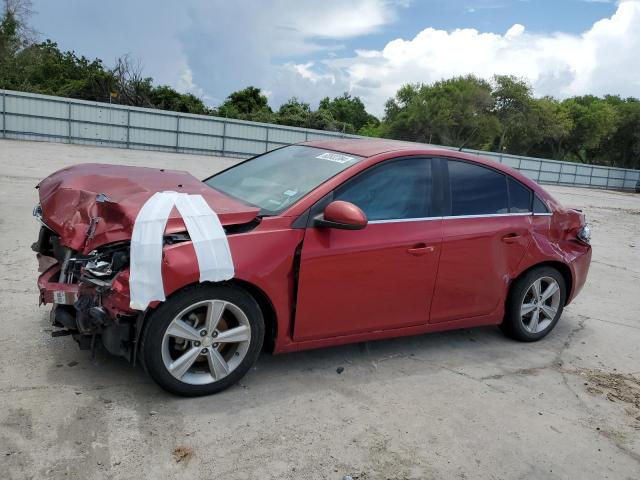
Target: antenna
[[467, 139]]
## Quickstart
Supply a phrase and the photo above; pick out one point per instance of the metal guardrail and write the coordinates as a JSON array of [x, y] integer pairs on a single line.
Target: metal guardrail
[[42, 117]]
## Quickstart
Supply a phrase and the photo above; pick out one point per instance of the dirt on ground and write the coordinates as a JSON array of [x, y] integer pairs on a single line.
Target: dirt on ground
[[463, 404]]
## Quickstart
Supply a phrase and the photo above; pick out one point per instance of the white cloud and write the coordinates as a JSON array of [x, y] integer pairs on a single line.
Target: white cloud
[[304, 70], [336, 19], [213, 47], [602, 60], [297, 48], [230, 45]]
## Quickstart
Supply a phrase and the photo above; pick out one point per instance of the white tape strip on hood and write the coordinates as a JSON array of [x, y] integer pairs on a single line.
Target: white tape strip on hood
[[205, 230]]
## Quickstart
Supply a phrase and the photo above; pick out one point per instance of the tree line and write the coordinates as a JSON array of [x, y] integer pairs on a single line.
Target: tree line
[[500, 115]]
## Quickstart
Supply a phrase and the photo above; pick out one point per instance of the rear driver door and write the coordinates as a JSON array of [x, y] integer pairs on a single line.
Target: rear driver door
[[486, 232]]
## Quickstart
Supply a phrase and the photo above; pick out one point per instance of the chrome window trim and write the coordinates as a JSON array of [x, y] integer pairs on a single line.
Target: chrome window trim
[[490, 215], [451, 217], [543, 214], [397, 220]]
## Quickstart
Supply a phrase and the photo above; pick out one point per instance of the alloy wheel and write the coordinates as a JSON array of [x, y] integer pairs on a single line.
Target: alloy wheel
[[206, 342], [540, 304]]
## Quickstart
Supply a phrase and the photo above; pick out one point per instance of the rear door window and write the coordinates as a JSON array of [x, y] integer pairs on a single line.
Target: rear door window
[[476, 190]]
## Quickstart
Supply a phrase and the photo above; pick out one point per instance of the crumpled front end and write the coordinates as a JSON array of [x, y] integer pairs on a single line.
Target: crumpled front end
[[90, 293], [88, 300], [87, 214]]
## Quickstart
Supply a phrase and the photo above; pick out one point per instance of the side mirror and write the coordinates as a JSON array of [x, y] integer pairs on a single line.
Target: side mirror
[[342, 215]]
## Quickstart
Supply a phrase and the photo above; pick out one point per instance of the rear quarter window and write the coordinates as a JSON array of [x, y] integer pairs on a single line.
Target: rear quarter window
[[519, 197], [539, 206]]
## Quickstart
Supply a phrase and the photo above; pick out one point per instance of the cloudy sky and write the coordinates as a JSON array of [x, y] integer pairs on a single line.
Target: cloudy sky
[[314, 48]]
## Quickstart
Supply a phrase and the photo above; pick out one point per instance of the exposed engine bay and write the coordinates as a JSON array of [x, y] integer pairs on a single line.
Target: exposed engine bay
[[81, 288]]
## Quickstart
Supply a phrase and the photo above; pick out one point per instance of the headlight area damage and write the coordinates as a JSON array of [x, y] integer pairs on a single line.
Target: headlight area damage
[[89, 292], [88, 213]]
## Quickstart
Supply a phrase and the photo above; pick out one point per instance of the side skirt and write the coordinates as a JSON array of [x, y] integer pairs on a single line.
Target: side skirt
[[494, 318]]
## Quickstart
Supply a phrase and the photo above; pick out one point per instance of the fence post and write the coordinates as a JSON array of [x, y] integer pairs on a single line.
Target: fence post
[[560, 174], [266, 142], [177, 132], [539, 170], [4, 114], [608, 176], [224, 135], [69, 122], [128, 125], [624, 179], [306, 135]]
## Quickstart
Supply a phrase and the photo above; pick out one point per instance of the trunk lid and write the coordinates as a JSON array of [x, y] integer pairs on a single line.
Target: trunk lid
[[90, 205]]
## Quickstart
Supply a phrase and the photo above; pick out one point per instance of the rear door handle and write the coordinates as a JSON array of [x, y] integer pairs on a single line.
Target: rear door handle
[[420, 249], [512, 237]]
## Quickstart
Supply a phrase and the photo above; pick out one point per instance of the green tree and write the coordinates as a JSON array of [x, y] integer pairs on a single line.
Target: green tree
[[166, 98], [513, 106], [622, 147], [294, 113], [377, 129], [594, 122], [9, 40], [348, 110], [452, 112], [552, 127], [247, 104]]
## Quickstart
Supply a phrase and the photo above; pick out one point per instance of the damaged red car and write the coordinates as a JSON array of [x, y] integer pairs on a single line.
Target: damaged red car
[[332, 242]]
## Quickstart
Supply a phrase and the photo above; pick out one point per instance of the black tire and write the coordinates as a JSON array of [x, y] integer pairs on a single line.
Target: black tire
[[160, 320], [513, 324]]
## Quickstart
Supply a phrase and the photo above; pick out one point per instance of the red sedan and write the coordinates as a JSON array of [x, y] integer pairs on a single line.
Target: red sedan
[[322, 243]]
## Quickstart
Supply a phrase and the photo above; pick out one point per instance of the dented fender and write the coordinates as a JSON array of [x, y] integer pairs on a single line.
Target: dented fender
[[272, 245], [555, 240]]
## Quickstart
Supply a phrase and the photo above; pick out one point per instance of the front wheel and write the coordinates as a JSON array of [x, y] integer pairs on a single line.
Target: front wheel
[[534, 304], [203, 340]]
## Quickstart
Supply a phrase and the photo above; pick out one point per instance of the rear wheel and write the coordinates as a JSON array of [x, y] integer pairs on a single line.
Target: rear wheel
[[203, 339], [535, 304]]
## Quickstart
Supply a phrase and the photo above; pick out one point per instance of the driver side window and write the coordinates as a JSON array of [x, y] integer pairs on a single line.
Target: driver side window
[[394, 190]]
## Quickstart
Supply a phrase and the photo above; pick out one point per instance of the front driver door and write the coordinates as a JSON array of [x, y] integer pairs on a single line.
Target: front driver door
[[381, 277]]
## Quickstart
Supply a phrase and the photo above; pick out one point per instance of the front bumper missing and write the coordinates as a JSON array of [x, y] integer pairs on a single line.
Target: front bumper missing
[[54, 292], [77, 311]]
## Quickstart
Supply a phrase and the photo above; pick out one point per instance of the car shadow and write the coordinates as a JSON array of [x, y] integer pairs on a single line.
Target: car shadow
[[475, 353]]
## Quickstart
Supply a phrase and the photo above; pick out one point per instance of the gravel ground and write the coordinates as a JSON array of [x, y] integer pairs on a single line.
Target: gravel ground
[[463, 404]]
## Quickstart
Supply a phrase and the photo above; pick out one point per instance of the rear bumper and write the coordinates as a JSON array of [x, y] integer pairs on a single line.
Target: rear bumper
[[579, 269]]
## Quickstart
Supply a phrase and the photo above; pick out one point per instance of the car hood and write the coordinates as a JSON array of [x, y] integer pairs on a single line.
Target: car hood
[[90, 205]]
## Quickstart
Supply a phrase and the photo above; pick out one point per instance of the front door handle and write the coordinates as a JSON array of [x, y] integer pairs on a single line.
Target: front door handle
[[420, 249], [512, 237]]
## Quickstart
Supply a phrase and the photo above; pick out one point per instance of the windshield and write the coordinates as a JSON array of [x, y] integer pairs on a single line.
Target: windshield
[[278, 179]]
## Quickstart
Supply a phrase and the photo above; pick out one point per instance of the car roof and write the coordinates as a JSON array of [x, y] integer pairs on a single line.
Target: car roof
[[368, 147]]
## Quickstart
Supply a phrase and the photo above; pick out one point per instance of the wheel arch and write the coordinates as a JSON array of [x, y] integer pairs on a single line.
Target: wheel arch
[[266, 307], [564, 270], [268, 312]]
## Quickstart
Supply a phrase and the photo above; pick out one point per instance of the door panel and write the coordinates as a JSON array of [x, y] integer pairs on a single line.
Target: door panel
[[378, 278], [479, 257]]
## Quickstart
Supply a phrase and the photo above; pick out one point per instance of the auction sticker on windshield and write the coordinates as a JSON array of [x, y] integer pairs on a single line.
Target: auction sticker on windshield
[[336, 157]]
